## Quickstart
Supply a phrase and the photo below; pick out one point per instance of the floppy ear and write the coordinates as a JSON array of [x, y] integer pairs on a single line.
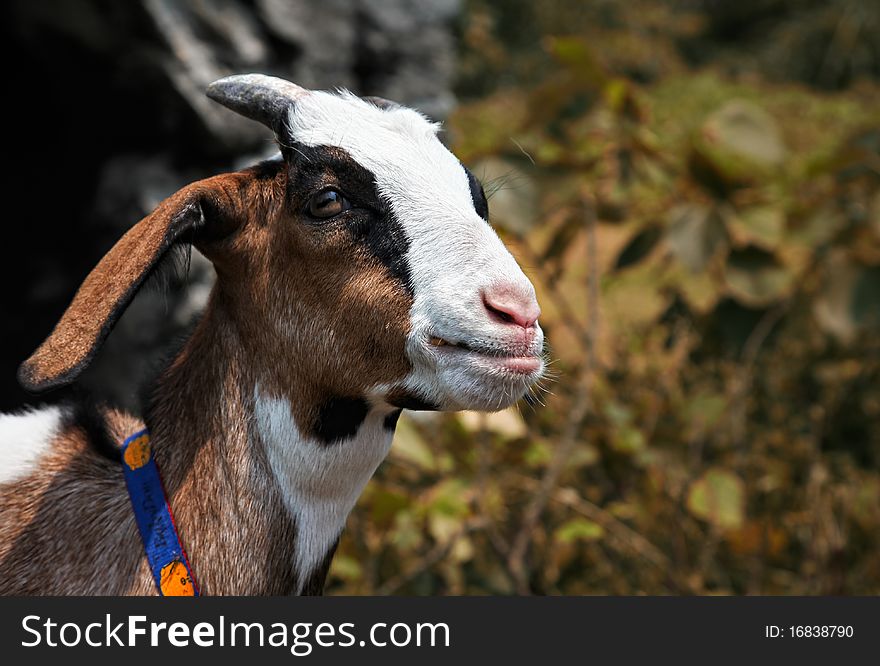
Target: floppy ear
[[208, 207]]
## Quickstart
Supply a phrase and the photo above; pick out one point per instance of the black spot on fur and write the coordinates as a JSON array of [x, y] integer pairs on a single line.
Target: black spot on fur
[[411, 401], [390, 421], [478, 195], [88, 415], [385, 240], [267, 169], [371, 222], [339, 419]]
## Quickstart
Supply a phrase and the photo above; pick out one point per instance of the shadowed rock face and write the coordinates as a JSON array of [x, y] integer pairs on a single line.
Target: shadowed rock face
[[123, 122]]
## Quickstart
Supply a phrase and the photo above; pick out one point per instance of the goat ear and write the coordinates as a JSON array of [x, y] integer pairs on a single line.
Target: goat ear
[[381, 102], [110, 287]]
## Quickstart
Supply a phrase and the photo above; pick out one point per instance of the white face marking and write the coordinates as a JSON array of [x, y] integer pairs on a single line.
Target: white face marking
[[320, 483], [24, 438], [453, 254]]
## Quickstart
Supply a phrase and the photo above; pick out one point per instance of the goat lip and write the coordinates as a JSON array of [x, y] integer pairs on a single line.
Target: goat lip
[[518, 361], [520, 365], [508, 364]]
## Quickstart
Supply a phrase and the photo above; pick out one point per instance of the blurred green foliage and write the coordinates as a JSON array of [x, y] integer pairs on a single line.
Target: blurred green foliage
[[705, 241]]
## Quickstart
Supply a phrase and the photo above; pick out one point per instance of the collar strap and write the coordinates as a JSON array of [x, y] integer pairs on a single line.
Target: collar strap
[[165, 553]]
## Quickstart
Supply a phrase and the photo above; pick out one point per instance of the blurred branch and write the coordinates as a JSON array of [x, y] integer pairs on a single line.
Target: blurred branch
[[496, 539], [843, 39], [579, 410], [748, 357], [623, 533], [437, 554]]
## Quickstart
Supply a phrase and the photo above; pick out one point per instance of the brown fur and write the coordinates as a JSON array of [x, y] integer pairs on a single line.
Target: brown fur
[[298, 308]]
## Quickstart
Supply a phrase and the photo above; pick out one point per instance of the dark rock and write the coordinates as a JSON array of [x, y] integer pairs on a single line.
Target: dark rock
[[111, 116]]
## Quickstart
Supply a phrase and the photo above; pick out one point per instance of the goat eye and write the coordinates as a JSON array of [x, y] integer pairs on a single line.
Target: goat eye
[[327, 203]]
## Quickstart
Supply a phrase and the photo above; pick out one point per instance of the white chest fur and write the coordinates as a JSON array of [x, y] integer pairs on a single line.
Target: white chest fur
[[320, 483], [24, 438]]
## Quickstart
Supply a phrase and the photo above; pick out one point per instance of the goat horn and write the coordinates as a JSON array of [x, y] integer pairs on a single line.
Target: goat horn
[[265, 99]]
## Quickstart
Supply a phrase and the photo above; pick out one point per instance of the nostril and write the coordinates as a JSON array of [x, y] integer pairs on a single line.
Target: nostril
[[509, 305], [498, 313]]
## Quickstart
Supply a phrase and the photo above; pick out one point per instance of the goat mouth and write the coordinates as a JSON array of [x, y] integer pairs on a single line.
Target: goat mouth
[[434, 341], [518, 361]]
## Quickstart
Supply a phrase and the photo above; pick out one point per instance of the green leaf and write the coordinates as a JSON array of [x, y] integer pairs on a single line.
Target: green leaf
[[579, 529], [538, 453], [817, 228], [695, 234], [741, 140], [762, 226], [755, 278], [409, 445], [443, 528], [628, 440], [576, 55], [718, 497], [584, 455], [699, 290], [636, 296], [850, 299], [448, 498], [385, 504], [619, 415], [346, 568], [704, 410]]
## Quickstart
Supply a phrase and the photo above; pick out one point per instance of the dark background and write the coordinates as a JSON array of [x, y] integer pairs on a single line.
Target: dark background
[[106, 116]]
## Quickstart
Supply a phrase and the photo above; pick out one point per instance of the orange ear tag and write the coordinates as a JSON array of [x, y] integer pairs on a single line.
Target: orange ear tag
[[137, 453], [176, 581]]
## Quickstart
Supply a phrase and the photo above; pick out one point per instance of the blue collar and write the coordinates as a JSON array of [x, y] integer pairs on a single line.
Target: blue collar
[[165, 553]]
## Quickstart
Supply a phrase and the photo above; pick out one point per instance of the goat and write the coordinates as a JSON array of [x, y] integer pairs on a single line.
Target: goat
[[357, 275]]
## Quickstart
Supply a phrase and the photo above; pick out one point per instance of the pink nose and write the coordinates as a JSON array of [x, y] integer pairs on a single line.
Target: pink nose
[[511, 305]]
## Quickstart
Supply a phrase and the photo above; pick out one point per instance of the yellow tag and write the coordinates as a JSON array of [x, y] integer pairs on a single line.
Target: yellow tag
[[137, 454], [175, 581]]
